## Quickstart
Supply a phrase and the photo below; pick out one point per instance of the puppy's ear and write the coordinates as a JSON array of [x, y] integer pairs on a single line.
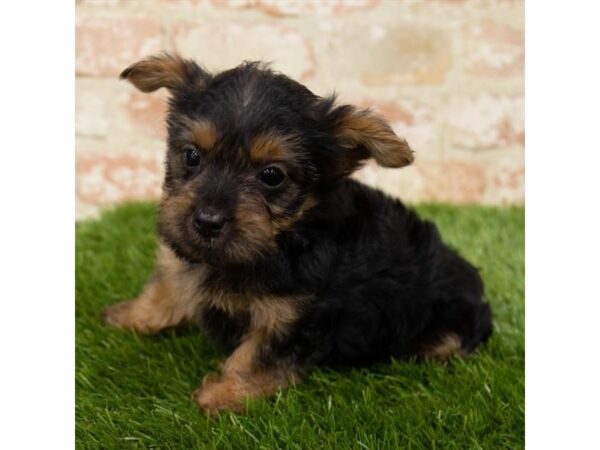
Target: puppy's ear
[[363, 134], [165, 70]]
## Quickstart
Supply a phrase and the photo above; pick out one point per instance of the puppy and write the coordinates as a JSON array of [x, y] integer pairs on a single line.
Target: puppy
[[275, 252]]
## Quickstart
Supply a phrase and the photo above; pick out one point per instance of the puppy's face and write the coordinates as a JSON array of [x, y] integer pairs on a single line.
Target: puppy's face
[[249, 153]]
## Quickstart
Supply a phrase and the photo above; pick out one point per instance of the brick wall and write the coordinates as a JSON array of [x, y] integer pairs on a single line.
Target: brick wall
[[447, 74]]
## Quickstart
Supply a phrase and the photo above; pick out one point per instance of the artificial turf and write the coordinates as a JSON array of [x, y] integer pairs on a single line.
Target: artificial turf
[[134, 392]]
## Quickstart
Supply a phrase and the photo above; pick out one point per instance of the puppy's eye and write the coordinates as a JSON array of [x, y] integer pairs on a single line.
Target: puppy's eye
[[272, 176], [192, 157]]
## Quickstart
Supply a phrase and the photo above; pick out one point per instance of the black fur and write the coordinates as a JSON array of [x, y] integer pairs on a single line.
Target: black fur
[[380, 283]]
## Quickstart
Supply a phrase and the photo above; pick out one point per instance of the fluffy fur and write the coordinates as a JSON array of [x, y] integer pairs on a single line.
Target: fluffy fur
[[317, 269]]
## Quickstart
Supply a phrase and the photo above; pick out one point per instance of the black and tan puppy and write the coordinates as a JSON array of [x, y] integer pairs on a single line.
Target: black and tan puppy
[[266, 242]]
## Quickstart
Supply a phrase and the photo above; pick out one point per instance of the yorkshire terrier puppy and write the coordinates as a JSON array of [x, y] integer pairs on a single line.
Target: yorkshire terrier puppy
[[282, 258]]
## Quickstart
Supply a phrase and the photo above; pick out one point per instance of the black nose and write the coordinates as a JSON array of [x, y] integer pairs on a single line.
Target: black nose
[[209, 222]]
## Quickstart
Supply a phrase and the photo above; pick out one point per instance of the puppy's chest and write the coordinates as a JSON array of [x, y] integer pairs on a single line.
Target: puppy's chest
[[249, 308]]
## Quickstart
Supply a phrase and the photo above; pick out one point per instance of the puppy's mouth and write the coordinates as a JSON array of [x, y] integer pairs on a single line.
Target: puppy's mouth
[[195, 248], [219, 245]]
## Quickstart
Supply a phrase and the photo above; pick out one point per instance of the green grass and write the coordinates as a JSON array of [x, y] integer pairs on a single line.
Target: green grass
[[134, 392]]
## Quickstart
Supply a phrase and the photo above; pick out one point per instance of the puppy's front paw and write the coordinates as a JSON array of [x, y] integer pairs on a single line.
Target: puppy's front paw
[[116, 315], [128, 315], [219, 394]]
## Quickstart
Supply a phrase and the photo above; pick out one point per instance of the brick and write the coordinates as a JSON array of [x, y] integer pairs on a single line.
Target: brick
[[486, 121], [146, 112], [101, 3], [85, 211], [347, 6], [446, 74], [236, 4], [402, 53], [105, 46], [225, 45], [506, 185], [196, 5], [368, 174], [107, 107], [92, 109], [452, 181], [104, 179], [406, 183], [494, 49], [449, 2], [281, 8]]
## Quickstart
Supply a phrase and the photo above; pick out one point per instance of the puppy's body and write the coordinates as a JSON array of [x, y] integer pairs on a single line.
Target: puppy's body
[[278, 255], [358, 299]]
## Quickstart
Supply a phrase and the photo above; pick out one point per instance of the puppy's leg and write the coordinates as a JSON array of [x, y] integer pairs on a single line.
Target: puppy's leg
[[149, 313], [243, 378], [444, 348], [231, 390], [168, 300]]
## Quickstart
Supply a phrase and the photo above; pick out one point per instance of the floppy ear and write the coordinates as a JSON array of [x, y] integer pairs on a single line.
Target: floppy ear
[[363, 134], [165, 70]]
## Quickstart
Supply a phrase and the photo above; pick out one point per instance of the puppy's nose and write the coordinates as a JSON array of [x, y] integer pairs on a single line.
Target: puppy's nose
[[209, 222]]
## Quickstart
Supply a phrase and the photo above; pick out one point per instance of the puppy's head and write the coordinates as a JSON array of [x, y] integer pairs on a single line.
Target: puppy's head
[[249, 152]]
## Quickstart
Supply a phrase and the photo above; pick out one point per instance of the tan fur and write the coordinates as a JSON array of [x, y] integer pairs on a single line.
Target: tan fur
[[233, 389], [202, 132], [270, 147], [254, 228], [168, 299], [150, 312], [447, 346], [177, 293], [155, 72], [272, 315], [244, 358], [243, 377], [173, 207], [286, 222], [257, 229], [363, 129]]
